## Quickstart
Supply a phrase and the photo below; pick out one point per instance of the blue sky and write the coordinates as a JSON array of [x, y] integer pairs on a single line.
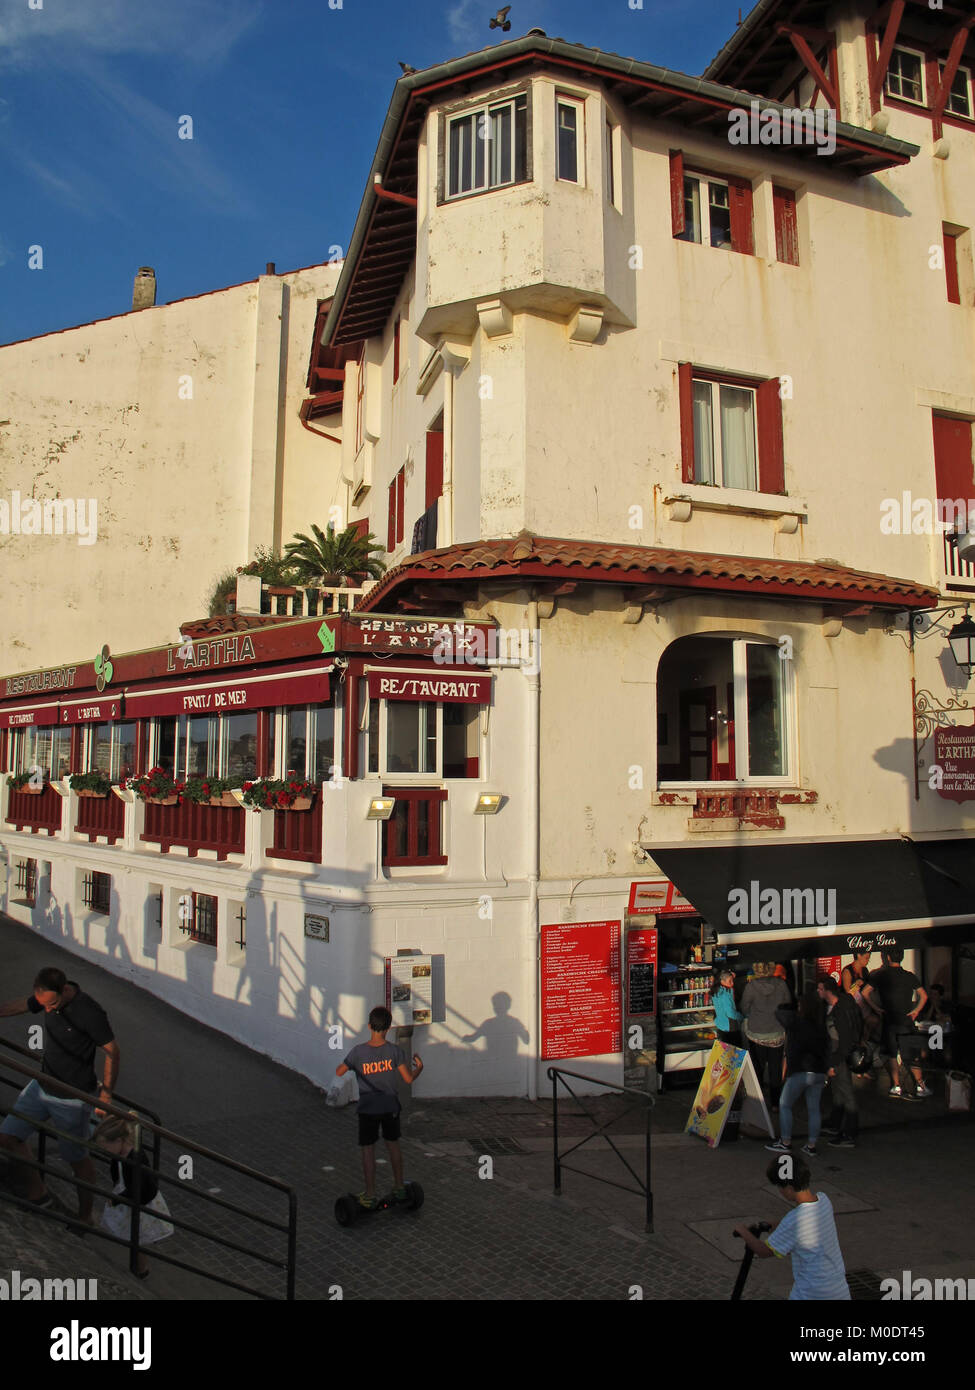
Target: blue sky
[[287, 99]]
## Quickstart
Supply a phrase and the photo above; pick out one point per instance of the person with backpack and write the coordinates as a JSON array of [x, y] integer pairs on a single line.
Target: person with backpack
[[806, 1051], [844, 1026]]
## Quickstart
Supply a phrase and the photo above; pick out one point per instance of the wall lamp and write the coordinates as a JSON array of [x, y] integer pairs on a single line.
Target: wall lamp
[[961, 637], [381, 808], [488, 804]]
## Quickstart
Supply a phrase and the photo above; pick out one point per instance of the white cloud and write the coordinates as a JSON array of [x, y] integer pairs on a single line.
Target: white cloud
[[198, 30], [462, 21]]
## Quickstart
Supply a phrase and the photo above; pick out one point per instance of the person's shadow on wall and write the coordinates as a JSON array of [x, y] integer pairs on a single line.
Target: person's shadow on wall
[[502, 1033]]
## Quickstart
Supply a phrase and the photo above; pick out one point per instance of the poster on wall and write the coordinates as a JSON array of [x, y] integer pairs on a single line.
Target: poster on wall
[[641, 972], [409, 989], [828, 965], [581, 990]]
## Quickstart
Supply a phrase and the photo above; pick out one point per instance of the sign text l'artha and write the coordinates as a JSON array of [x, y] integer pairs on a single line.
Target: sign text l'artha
[[954, 756], [217, 651]]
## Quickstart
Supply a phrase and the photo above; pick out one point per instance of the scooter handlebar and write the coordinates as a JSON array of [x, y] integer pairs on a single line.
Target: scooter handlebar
[[759, 1229]]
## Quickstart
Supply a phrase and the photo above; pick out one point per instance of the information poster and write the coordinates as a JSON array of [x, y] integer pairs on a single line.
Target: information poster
[[726, 1069], [581, 990], [641, 972], [409, 989]]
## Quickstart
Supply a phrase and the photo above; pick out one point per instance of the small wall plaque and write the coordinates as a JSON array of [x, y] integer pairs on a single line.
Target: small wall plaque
[[316, 927]]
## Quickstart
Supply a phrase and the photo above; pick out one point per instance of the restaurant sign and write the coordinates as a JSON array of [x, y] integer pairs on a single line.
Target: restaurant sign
[[424, 685], [954, 763], [59, 678]]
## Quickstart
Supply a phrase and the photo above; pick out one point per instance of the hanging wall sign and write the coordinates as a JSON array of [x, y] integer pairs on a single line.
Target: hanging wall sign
[[954, 756], [641, 972]]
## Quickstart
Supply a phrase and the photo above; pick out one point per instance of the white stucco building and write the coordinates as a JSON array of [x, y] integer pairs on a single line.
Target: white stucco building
[[656, 405]]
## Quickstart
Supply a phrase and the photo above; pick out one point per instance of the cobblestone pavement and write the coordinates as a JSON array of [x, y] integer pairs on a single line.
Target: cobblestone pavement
[[491, 1227]]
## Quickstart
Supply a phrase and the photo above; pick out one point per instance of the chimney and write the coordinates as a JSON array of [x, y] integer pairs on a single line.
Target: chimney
[[144, 288]]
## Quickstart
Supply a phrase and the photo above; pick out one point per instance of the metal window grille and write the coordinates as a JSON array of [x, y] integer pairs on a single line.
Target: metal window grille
[[241, 919], [202, 924], [27, 880], [97, 892]]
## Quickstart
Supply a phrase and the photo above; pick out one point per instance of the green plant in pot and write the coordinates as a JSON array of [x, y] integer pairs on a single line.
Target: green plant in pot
[[90, 783], [330, 560], [268, 794], [209, 791], [155, 785]]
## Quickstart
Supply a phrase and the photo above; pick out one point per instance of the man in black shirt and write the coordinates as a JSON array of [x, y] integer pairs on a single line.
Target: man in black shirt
[[75, 1025], [896, 989]]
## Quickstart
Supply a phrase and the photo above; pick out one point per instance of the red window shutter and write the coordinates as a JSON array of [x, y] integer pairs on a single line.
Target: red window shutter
[[951, 266], [434, 467], [361, 528], [771, 453], [740, 197], [685, 391], [786, 226], [953, 457], [396, 351], [391, 520], [677, 192], [400, 505]]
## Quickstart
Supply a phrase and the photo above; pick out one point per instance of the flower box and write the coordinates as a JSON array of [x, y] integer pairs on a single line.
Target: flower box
[[162, 800], [224, 799], [86, 791], [31, 791], [300, 803]]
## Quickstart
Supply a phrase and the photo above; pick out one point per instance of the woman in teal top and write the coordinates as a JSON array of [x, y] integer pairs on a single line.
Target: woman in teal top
[[726, 1016]]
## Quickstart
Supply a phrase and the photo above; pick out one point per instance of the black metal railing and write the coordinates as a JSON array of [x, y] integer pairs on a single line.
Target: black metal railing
[[643, 1187], [185, 1148]]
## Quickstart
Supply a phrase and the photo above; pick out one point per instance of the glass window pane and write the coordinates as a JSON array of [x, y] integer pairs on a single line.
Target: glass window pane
[[198, 748], [695, 711], [373, 735], [123, 760], [43, 753], [323, 752], [766, 749], [428, 715], [100, 749], [166, 745], [461, 132], [272, 743], [240, 733], [719, 213], [703, 433], [403, 736], [738, 438], [500, 146], [568, 144], [692, 211], [295, 742], [521, 138], [61, 753]]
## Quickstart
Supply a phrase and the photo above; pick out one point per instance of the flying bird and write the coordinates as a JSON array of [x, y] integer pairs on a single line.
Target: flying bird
[[407, 70], [501, 20]]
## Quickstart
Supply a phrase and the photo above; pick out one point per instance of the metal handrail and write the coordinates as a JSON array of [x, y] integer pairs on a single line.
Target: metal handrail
[[643, 1189], [289, 1227]]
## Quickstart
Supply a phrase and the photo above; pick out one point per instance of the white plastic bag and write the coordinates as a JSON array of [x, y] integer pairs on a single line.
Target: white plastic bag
[[344, 1090]]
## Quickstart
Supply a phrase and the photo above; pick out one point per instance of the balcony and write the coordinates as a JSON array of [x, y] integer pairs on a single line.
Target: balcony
[[195, 826], [958, 573], [298, 834], [35, 811], [101, 817], [287, 601]]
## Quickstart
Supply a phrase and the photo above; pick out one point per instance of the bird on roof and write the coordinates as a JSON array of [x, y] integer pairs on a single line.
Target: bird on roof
[[501, 20], [407, 70]]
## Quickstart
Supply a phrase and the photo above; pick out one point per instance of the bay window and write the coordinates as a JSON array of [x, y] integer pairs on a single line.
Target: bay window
[[420, 738], [487, 147]]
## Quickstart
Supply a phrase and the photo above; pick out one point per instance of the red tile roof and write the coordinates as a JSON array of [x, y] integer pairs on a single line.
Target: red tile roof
[[233, 622], [527, 555]]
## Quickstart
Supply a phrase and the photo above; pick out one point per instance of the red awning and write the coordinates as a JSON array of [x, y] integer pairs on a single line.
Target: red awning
[[28, 716], [92, 711], [229, 697], [428, 685]]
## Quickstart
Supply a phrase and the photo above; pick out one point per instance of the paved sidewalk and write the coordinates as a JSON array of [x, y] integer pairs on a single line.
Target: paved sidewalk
[[480, 1237]]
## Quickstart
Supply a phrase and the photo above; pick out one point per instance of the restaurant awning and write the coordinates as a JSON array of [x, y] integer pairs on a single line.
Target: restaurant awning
[[28, 716], [822, 893], [91, 711], [229, 697]]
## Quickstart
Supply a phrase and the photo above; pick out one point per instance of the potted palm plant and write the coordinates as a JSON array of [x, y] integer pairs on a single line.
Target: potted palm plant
[[334, 561], [90, 783]]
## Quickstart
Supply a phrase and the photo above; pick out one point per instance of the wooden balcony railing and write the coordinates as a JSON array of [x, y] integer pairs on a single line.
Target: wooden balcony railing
[[35, 811], [101, 816], [195, 826], [298, 834]]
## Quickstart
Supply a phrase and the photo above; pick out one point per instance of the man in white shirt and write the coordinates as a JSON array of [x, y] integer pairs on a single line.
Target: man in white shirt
[[807, 1233]]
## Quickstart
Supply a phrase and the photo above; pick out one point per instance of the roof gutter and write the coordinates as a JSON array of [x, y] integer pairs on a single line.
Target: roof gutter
[[593, 60]]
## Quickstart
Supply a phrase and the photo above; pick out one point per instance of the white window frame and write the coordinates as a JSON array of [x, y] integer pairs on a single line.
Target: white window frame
[[311, 734], [406, 778], [23, 752], [787, 690], [114, 745], [611, 178], [576, 104], [716, 441], [897, 96], [704, 183], [480, 117], [965, 115]]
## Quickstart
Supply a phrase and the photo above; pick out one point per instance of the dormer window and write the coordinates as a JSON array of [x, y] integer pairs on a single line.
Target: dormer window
[[486, 147], [905, 76]]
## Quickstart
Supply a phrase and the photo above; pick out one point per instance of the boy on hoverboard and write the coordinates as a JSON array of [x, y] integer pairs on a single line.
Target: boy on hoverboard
[[376, 1064]]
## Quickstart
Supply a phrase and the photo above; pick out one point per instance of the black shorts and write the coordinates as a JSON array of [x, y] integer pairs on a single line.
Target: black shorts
[[901, 1038], [369, 1128]]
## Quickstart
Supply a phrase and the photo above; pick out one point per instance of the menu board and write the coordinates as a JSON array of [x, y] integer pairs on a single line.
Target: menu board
[[954, 754], [641, 972], [581, 990]]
